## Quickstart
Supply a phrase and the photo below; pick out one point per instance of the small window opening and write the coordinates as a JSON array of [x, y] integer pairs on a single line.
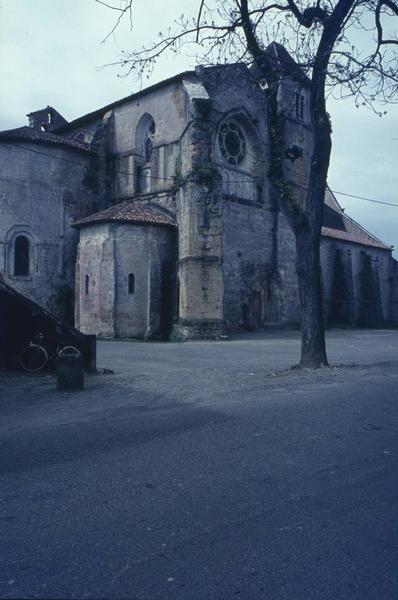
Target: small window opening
[[140, 180], [131, 283], [86, 284], [21, 256], [259, 190], [299, 102]]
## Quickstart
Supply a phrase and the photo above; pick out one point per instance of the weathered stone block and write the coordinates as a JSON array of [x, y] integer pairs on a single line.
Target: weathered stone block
[[70, 372]]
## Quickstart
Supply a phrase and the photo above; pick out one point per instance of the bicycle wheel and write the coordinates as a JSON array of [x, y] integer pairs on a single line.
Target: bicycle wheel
[[33, 358], [69, 350]]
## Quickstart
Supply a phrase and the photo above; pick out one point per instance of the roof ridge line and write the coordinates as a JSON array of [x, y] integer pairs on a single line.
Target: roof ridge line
[[371, 235], [97, 112]]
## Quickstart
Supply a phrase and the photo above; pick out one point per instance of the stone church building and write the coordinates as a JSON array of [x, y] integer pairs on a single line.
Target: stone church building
[[153, 215]]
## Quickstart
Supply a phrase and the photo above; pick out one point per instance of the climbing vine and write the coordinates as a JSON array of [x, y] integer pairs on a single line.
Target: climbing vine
[[206, 174]]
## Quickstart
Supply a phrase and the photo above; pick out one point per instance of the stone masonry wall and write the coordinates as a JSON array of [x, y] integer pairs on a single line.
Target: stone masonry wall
[[200, 276], [247, 253], [167, 109], [43, 190], [357, 297], [260, 283], [109, 304]]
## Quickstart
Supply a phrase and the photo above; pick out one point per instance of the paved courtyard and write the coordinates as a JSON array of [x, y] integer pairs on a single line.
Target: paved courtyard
[[205, 470], [158, 375]]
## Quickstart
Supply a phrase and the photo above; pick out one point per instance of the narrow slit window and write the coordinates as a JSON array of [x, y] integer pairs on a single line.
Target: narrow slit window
[[86, 284], [21, 256], [300, 104], [140, 180], [131, 283], [259, 190]]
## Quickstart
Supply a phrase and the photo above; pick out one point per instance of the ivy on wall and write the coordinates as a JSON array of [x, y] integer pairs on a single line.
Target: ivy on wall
[[206, 174]]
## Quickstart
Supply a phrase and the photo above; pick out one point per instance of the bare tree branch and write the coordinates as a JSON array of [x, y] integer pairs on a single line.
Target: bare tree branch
[[198, 21], [379, 26], [295, 11], [123, 11]]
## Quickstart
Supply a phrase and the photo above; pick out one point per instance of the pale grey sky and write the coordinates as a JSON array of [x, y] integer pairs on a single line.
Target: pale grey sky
[[51, 53]]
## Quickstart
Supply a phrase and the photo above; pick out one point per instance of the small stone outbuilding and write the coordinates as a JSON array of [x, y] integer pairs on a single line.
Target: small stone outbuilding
[[125, 272]]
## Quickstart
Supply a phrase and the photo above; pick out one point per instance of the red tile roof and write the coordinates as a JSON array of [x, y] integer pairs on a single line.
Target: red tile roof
[[28, 134], [139, 212], [351, 231], [134, 212]]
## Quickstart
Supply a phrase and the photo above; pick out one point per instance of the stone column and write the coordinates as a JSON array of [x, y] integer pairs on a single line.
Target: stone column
[[199, 210]]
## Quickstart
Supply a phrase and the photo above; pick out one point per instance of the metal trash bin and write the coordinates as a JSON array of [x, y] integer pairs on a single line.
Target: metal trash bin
[[70, 370]]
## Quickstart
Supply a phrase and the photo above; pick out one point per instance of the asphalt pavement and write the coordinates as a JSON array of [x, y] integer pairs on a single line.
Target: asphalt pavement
[[205, 471]]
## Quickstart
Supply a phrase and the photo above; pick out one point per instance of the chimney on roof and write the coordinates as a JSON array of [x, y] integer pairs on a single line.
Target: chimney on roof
[[46, 119]]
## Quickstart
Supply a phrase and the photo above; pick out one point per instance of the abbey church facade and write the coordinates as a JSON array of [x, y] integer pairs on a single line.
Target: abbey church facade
[[153, 215]]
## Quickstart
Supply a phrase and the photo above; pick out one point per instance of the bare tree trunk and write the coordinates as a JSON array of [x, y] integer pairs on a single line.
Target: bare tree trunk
[[308, 238], [306, 221], [313, 347]]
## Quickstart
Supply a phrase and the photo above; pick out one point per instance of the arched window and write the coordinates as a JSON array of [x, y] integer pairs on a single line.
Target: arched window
[[232, 142], [150, 134], [144, 137], [131, 283], [86, 284], [240, 156], [21, 256], [144, 140]]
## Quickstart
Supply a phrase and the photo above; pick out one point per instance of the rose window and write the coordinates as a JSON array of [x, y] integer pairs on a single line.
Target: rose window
[[232, 143]]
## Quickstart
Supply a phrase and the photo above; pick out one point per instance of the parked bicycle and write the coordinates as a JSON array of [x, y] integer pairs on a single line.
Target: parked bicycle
[[34, 357]]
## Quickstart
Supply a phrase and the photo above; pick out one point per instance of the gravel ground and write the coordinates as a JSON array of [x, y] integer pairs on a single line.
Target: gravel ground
[[154, 375], [205, 471]]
